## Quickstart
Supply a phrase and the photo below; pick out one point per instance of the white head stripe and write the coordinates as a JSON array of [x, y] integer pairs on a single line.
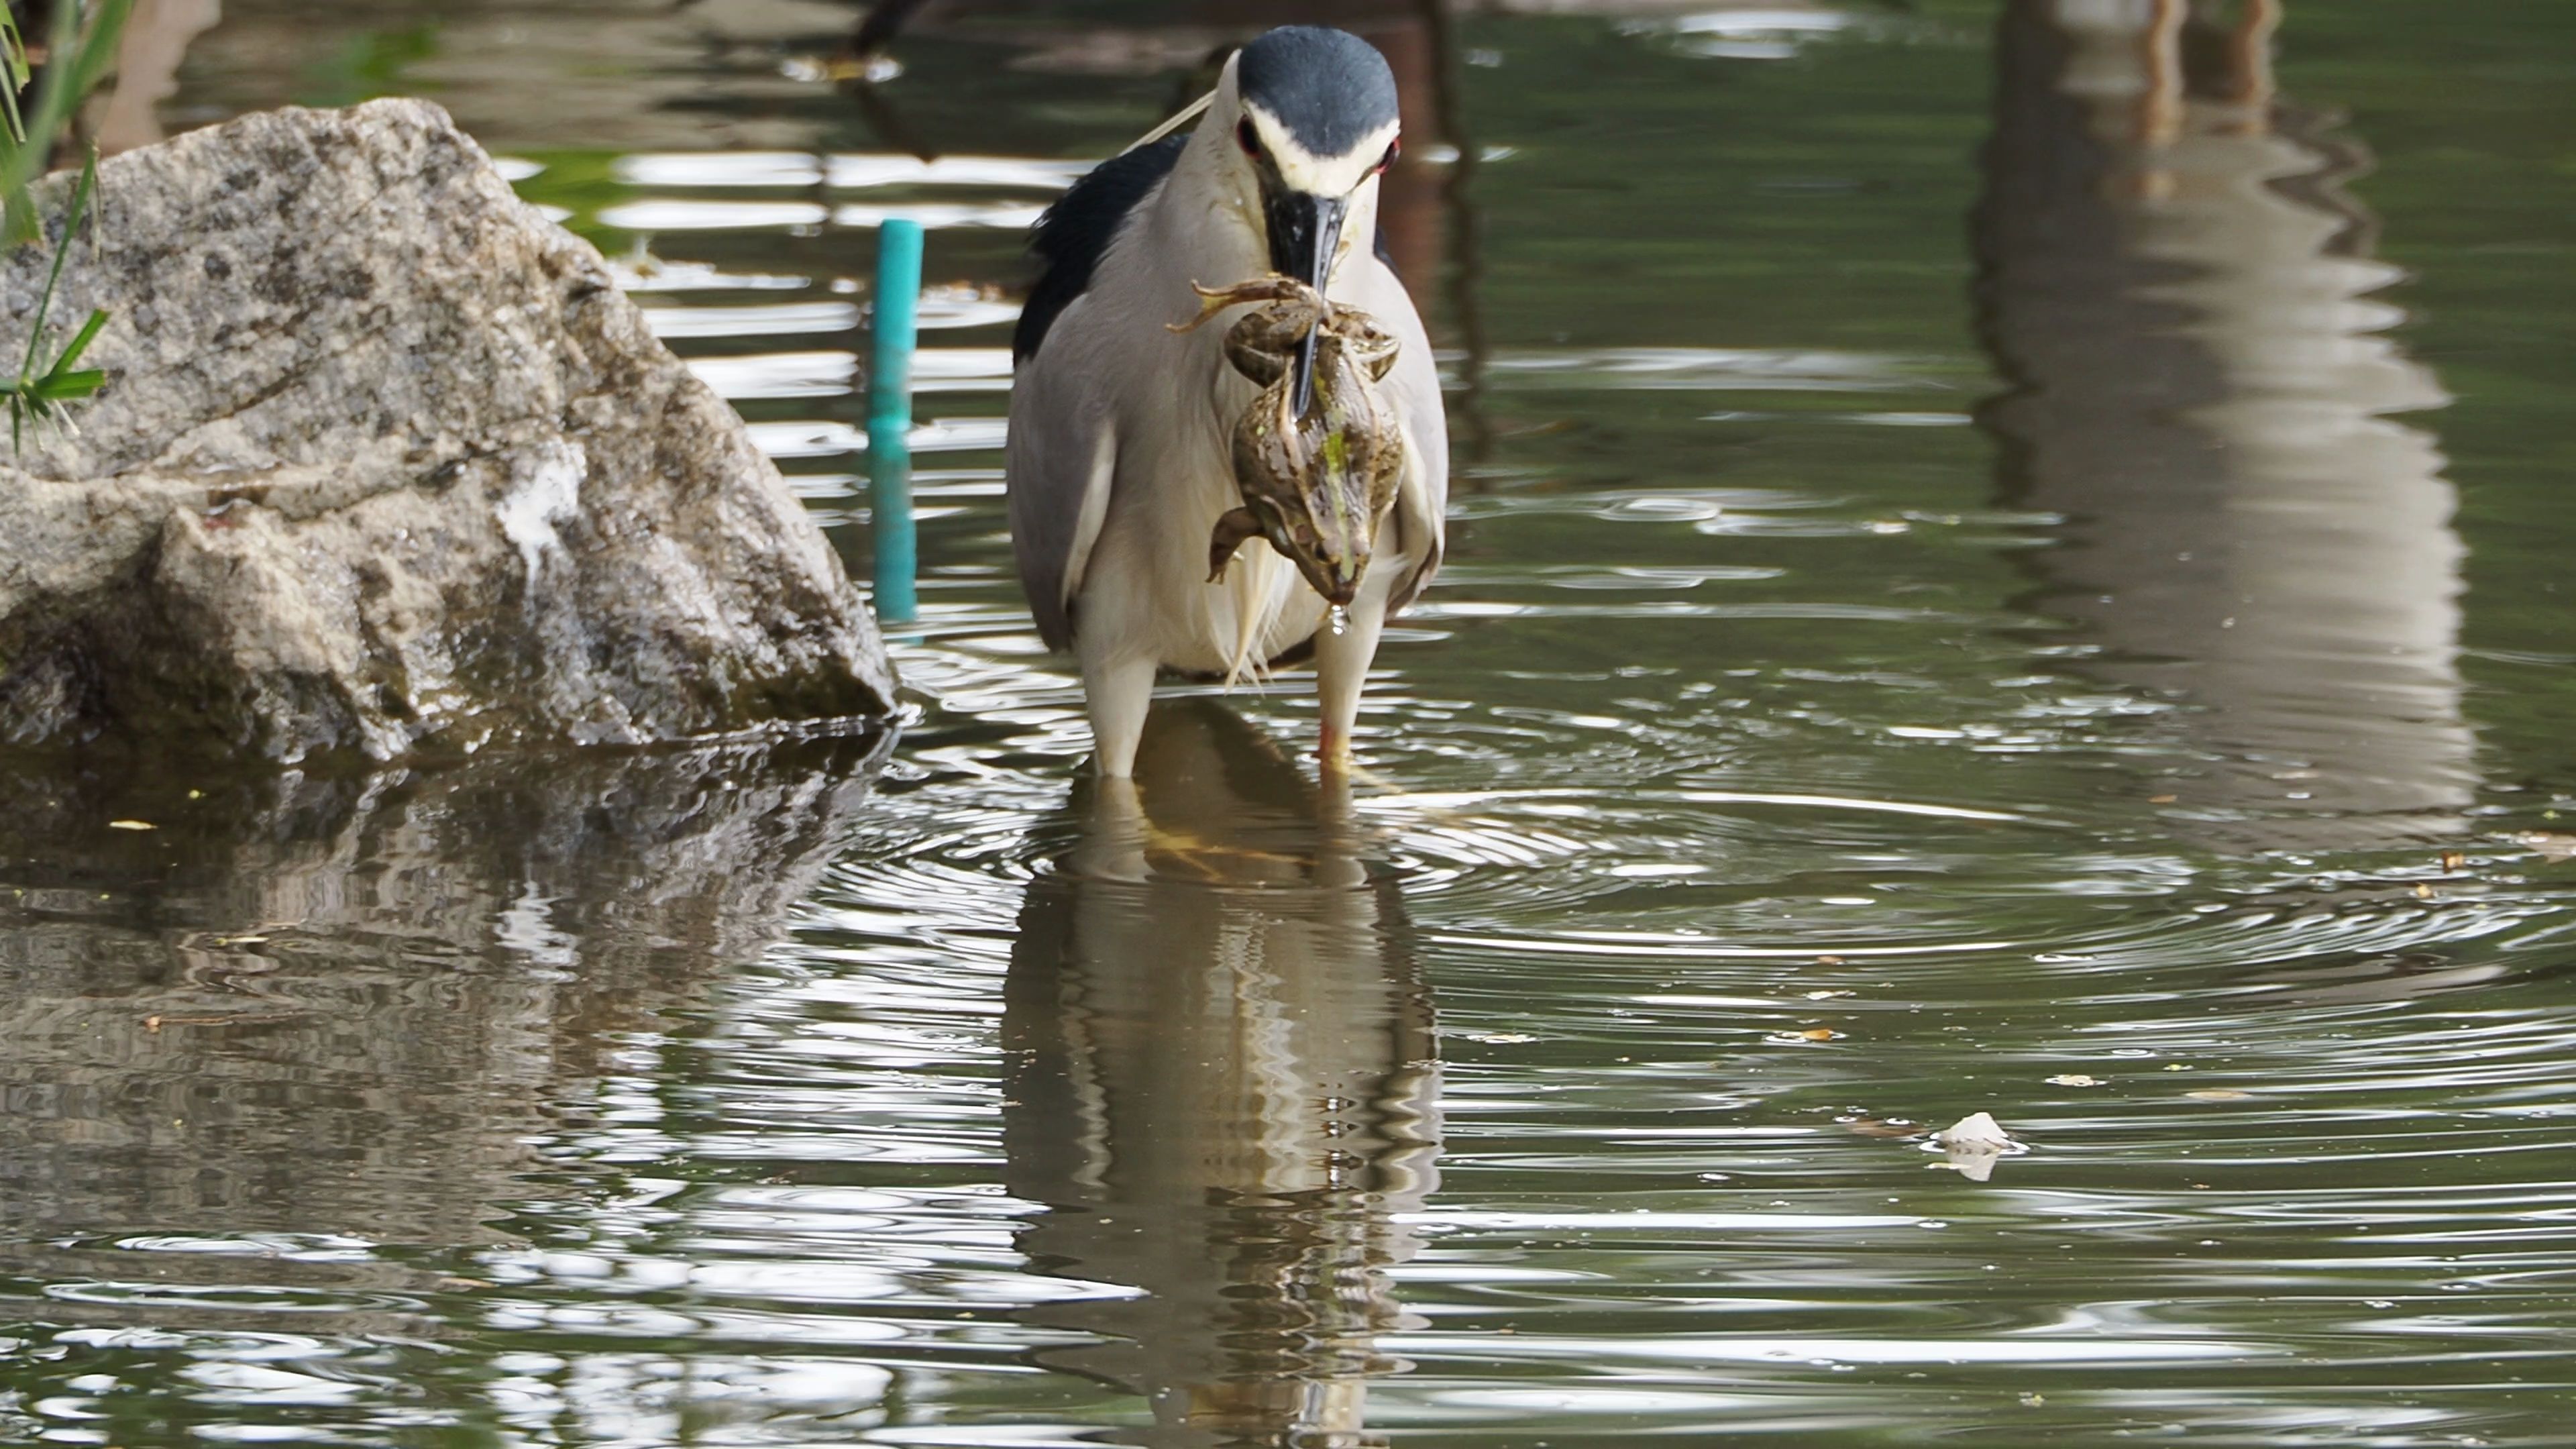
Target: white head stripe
[[1319, 175]]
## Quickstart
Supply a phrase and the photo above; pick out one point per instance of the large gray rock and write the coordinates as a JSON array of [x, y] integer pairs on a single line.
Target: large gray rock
[[388, 464]]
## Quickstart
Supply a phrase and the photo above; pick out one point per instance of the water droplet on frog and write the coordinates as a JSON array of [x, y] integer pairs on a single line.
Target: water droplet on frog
[[1339, 618]]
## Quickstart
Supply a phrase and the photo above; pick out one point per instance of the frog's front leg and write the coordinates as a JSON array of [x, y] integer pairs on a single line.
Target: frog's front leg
[[1371, 346], [1261, 345], [1232, 531]]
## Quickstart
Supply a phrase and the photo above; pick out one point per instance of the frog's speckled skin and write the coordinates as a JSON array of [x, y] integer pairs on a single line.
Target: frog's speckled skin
[[1314, 486]]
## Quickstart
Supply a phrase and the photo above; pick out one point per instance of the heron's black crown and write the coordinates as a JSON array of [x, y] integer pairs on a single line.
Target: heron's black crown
[[1330, 88]]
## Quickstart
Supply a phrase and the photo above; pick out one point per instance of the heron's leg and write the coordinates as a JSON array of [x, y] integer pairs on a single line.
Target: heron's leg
[[1116, 689], [1341, 670], [1113, 848]]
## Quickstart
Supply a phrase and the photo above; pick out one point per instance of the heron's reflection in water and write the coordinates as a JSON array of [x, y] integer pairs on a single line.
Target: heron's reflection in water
[[1224, 1090]]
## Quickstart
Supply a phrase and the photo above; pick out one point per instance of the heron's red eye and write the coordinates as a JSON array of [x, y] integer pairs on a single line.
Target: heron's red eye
[[1394, 149], [1250, 139]]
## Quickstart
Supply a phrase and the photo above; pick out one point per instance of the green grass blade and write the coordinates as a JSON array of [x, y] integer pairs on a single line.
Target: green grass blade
[[79, 53], [14, 73], [98, 43], [62, 253], [81, 48], [80, 341], [63, 387]]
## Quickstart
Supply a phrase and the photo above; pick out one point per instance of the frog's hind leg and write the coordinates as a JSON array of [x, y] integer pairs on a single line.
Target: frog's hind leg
[[1232, 530]]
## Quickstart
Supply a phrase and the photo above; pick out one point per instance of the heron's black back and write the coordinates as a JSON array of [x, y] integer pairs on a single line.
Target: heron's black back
[[1073, 234]]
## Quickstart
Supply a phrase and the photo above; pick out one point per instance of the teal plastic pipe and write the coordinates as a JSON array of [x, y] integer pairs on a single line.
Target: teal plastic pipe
[[890, 419]]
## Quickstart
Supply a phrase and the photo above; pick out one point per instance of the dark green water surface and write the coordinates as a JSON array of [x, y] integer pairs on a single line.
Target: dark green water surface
[[1997, 565]]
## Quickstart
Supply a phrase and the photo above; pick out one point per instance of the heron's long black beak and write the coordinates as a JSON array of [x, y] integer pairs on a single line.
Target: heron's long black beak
[[1305, 231]]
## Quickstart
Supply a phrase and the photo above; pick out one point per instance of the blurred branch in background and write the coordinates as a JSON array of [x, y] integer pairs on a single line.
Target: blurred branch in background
[[1466, 252], [156, 38], [80, 43], [878, 28]]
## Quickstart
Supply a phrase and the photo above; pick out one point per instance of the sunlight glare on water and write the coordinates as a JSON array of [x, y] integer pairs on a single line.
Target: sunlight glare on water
[[1974, 585]]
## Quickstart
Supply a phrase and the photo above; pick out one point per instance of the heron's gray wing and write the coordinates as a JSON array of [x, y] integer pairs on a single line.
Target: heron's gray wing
[[1057, 464], [1063, 444]]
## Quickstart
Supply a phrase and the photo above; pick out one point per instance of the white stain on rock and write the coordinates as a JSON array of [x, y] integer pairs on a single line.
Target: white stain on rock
[[545, 490]]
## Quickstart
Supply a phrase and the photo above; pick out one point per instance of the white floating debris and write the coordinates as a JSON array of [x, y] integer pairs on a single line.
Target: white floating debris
[[1973, 1144], [1976, 1132]]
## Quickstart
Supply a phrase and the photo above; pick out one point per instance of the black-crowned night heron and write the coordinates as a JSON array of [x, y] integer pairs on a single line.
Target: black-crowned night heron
[[1119, 460]]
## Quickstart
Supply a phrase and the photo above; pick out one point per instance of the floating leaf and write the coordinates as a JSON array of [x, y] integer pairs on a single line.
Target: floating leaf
[[2554, 846], [2074, 1079]]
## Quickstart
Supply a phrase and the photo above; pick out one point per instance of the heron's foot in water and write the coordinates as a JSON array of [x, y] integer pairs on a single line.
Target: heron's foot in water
[[1232, 530], [1340, 771]]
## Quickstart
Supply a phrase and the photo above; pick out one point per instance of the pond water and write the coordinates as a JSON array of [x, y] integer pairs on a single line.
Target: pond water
[[2006, 558]]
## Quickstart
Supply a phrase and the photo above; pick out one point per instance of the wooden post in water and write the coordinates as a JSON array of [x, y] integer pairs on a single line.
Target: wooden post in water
[[890, 419]]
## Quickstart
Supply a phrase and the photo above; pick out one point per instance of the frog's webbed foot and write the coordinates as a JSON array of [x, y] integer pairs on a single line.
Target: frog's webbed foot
[[1232, 531], [1213, 300]]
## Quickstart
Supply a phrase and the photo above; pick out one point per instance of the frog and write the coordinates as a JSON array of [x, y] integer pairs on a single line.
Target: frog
[[1316, 484]]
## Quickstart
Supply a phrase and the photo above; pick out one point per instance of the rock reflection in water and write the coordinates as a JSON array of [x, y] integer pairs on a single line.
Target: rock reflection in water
[[303, 1005], [2181, 295], [1223, 1089]]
